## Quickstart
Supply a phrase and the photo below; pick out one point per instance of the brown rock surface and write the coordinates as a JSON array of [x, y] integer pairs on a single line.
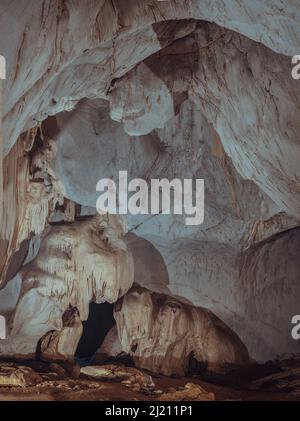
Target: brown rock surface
[[17, 375], [190, 392]]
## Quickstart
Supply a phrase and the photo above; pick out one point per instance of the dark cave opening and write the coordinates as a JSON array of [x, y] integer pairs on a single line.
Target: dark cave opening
[[95, 328]]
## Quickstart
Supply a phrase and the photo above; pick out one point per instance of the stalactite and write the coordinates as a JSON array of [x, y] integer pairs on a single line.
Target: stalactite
[[31, 193]]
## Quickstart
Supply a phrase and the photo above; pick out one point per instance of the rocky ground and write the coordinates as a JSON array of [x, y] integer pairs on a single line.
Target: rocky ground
[[115, 382]]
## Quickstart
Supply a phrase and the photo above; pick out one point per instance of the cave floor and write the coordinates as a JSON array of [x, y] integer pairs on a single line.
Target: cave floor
[[52, 385], [85, 390]]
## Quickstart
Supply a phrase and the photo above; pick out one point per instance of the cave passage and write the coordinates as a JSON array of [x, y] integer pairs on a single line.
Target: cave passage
[[95, 328]]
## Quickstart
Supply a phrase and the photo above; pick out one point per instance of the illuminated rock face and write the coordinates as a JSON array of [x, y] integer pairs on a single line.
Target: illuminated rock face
[[256, 119], [76, 264], [51, 64], [202, 264], [31, 193], [194, 89], [162, 334]]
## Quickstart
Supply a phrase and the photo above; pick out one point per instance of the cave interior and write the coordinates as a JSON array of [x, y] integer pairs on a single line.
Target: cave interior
[[143, 303]]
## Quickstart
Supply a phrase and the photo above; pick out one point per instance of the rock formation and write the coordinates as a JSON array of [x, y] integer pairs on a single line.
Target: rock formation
[[77, 263], [31, 192], [161, 89], [205, 65], [203, 263], [162, 334]]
